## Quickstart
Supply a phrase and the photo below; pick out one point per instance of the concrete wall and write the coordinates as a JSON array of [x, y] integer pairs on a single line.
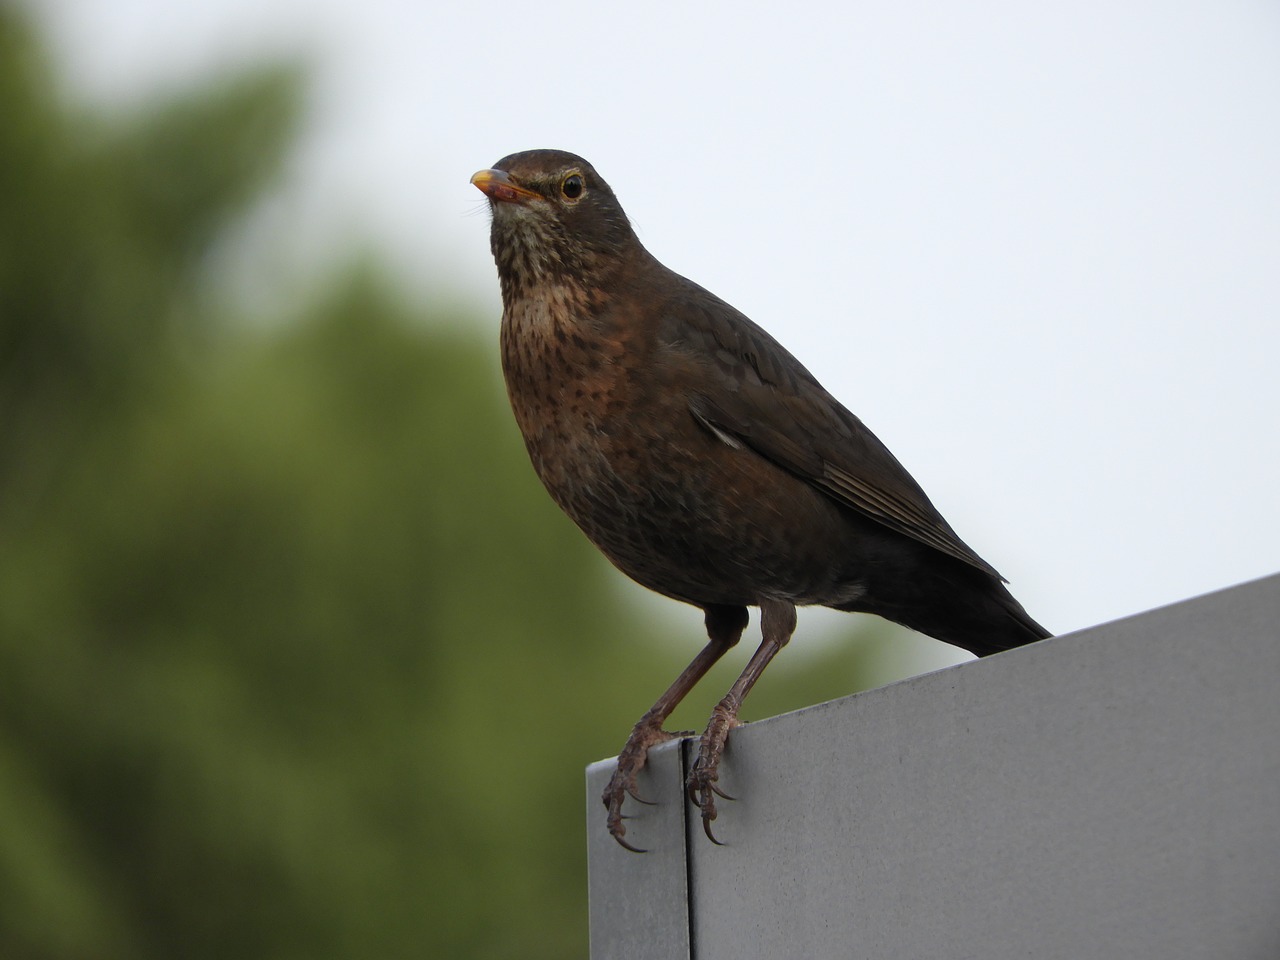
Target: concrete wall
[[1110, 793]]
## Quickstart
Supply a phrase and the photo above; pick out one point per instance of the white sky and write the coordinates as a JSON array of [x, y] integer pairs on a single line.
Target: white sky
[[1036, 247]]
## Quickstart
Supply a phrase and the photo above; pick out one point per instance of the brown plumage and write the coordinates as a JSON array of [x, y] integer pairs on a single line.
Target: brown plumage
[[702, 458]]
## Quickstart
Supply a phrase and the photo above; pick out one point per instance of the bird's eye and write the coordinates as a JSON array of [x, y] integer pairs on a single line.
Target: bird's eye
[[571, 186]]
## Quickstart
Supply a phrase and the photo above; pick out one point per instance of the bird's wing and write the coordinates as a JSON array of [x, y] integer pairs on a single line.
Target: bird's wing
[[758, 395]]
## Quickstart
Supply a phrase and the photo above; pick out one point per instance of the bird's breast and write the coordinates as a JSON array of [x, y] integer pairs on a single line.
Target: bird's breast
[[573, 396], [605, 417]]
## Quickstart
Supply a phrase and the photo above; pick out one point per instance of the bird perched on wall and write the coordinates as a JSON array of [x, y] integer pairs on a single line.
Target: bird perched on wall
[[703, 459]]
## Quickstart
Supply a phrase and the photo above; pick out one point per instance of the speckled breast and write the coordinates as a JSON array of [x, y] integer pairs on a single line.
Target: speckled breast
[[608, 428]]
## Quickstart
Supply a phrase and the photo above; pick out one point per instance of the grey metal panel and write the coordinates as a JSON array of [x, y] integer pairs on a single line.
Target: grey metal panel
[[639, 903], [1111, 793]]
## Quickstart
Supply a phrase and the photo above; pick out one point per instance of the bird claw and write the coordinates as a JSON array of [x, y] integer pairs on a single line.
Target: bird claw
[[622, 784], [702, 795], [702, 787], [706, 828], [626, 846]]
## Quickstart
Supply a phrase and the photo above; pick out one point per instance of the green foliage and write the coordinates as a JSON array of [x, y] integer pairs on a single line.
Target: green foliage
[[296, 658]]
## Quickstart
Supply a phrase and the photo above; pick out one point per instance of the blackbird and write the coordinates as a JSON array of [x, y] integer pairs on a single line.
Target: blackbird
[[703, 459]]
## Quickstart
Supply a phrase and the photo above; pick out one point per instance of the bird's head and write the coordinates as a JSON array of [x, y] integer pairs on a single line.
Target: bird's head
[[554, 220]]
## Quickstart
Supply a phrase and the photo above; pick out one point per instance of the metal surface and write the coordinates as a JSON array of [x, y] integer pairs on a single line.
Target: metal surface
[[639, 903], [1110, 793]]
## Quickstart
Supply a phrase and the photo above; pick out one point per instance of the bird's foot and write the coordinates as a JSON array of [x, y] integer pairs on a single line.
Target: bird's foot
[[646, 734], [706, 769]]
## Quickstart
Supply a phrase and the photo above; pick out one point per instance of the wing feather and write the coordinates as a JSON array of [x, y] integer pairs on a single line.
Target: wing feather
[[758, 395]]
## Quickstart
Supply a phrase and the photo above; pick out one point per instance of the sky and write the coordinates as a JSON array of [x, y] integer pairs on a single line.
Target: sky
[[1035, 247]]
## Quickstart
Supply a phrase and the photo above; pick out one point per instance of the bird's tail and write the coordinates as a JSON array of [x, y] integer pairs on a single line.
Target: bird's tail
[[957, 604], [1009, 626]]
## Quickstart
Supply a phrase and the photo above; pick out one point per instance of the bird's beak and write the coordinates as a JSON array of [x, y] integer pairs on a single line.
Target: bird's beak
[[498, 185]]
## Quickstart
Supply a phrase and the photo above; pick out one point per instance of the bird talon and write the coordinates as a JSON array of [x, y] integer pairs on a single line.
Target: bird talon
[[706, 828], [626, 846], [617, 829]]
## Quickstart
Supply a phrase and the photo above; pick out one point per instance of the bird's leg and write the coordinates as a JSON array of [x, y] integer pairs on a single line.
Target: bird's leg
[[777, 623], [724, 628]]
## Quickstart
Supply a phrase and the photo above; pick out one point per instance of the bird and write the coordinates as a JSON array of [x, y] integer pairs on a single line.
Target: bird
[[704, 460]]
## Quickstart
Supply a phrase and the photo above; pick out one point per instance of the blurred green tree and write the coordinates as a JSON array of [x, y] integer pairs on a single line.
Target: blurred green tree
[[296, 659]]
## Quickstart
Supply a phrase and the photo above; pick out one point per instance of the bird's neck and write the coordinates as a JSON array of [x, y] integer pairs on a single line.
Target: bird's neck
[[548, 311]]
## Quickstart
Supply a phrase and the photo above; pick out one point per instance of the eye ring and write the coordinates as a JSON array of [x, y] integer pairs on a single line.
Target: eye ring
[[572, 187]]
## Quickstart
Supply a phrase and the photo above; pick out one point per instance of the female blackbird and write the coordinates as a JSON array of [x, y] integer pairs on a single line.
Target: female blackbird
[[702, 458]]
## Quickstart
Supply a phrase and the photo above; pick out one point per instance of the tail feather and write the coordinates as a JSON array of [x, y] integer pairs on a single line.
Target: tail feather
[[955, 603]]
